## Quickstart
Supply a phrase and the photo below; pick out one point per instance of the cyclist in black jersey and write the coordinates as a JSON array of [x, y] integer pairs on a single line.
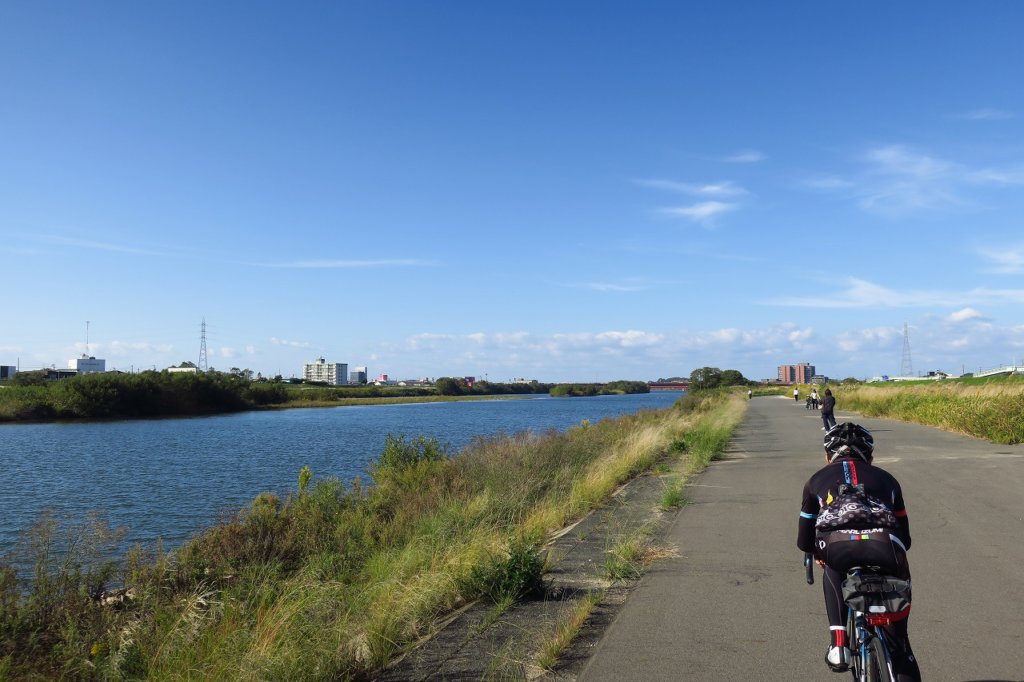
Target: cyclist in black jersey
[[849, 451]]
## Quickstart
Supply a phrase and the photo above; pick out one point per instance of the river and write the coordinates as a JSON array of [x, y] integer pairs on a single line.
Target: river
[[169, 478]]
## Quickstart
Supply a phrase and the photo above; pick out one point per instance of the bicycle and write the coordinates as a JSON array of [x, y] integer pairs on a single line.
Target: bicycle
[[875, 601]]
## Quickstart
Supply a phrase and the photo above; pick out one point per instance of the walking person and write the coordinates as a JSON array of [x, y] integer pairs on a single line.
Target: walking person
[[814, 398], [796, 394], [828, 405]]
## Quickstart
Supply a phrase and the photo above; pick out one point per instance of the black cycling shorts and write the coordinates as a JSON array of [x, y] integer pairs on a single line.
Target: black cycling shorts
[[879, 549]]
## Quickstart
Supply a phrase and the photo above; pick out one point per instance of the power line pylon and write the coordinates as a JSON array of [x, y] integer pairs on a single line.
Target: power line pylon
[[203, 362], [906, 366]]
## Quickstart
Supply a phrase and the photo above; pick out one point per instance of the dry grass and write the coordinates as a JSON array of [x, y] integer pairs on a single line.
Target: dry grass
[[994, 411], [336, 580]]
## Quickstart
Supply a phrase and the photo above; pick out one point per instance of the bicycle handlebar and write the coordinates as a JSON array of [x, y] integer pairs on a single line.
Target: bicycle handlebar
[[809, 567]]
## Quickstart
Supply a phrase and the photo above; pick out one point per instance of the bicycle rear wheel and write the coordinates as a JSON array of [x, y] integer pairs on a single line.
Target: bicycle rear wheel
[[879, 663]]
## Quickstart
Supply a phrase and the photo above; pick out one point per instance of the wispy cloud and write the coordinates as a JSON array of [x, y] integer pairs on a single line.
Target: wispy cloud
[[863, 294], [704, 212], [1005, 261], [901, 180], [985, 114], [896, 179], [612, 286], [350, 264], [745, 156], [274, 341], [725, 188], [97, 246], [965, 314], [830, 182]]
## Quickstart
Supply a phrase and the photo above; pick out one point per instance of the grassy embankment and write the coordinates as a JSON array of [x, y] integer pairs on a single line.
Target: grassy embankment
[[986, 408], [336, 580]]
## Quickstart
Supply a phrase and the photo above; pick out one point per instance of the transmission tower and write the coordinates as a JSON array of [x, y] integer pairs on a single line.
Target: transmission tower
[[203, 362], [906, 367]]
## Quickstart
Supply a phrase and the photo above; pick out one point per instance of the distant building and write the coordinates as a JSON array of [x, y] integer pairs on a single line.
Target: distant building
[[796, 374], [321, 371], [185, 370], [7, 371], [819, 379], [357, 376], [87, 365]]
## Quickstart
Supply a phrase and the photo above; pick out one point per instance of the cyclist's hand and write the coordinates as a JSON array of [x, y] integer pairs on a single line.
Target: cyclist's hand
[[820, 563]]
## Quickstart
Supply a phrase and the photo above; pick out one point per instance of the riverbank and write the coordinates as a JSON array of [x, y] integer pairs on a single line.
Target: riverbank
[[150, 395], [336, 580]]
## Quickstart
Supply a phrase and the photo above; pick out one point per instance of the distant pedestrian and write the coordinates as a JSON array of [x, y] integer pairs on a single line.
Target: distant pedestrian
[[828, 405], [814, 398], [796, 394], [750, 394]]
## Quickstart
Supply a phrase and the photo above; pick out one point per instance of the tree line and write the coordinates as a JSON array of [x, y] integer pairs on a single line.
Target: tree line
[[705, 378]]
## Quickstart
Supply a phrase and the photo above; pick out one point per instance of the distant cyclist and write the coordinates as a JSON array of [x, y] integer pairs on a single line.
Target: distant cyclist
[[849, 449]]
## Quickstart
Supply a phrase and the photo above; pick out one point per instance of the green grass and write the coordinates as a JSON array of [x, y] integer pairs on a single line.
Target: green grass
[[993, 410], [335, 580], [567, 627], [674, 495]]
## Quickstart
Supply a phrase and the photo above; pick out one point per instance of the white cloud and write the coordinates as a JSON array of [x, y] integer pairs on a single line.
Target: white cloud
[[123, 349], [896, 180], [872, 337], [725, 188], [293, 344], [829, 182], [745, 156], [995, 177], [97, 246], [1006, 261], [610, 286], [350, 264], [985, 114], [703, 213], [863, 294], [965, 314], [901, 180]]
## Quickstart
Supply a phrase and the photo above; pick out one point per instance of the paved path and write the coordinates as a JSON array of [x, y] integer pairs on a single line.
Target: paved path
[[735, 606]]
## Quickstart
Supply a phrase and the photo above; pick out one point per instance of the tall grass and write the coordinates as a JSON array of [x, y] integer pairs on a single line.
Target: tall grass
[[336, 580], [990, 410]]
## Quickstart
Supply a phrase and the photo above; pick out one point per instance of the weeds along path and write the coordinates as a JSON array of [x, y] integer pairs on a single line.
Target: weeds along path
[[337, 581], [734, 605], [590, 566], [993, 411]]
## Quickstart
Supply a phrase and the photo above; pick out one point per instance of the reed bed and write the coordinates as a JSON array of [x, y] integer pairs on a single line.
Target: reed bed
[[336, 580], [993, 410]]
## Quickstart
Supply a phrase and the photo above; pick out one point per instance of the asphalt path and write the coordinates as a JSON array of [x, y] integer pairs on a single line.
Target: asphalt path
[[735, 605]]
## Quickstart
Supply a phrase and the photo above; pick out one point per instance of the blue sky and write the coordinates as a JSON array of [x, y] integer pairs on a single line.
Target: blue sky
[[562, 191]]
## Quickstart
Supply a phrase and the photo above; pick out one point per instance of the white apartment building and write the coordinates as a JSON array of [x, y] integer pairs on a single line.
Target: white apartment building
[[332, 373], [87, 365]]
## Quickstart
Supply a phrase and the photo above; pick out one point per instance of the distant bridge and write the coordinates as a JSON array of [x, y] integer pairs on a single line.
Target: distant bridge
[[669, 385], [1007, 369]]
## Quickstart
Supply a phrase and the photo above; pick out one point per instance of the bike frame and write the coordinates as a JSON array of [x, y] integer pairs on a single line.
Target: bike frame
[[861, 634]]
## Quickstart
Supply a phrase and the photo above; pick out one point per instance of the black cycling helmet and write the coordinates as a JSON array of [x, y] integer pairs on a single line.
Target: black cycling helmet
[[849, 440]]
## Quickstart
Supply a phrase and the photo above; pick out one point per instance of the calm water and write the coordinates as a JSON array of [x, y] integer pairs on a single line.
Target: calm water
[[169, 478]]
